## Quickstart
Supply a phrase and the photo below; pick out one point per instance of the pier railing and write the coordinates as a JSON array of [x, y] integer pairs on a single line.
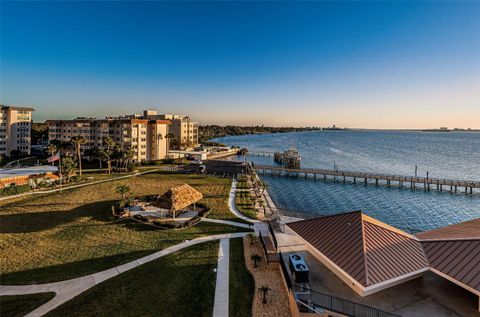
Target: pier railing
[[354, 175]]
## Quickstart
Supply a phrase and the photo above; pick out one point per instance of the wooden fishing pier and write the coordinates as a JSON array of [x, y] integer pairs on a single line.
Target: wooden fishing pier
[[261, 153], [389, 180]]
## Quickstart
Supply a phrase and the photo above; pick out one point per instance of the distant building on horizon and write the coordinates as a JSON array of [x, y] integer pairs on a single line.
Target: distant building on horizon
[[183, 128], [15, 130]]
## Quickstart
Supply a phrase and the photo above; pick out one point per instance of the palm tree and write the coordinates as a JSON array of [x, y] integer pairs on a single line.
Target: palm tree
[[52, 149], [168, 137], [68, 167], [78, 141], [123, 190], [107, 151], [96, 153], [264, 291], [256, 259], [129, 155]]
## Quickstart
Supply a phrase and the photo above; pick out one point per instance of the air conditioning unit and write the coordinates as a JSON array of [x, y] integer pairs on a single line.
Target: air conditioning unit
[[299, 269]]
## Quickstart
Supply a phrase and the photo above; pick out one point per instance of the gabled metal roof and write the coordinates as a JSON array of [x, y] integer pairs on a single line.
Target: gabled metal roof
[[368, 250], [455, 252], [466, 230]]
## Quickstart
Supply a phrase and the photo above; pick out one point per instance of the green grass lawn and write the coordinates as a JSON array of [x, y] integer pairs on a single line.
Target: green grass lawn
[[20, 305], [243, 200], [58, 236], [180, 284], [242, 285]]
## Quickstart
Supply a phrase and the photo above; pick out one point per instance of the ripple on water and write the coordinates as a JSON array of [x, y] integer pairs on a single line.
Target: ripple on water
[[410, 210]]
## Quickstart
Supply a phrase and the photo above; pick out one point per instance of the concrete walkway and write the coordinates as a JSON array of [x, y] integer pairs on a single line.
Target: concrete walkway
[[226, 222], [220, 308], [68, 289], [258, 226], [166, 168]]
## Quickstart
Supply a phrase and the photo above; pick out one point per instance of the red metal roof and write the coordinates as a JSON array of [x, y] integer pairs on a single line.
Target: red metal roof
[[455, 251], [369, 251], [465, 230]]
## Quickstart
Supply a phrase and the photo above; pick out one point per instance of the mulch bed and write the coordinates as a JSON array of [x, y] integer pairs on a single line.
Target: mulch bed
[[277, 300]]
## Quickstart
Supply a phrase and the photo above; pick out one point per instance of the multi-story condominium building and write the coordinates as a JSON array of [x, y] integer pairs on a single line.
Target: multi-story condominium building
[[15, 130], [183, 128], [146, 137]]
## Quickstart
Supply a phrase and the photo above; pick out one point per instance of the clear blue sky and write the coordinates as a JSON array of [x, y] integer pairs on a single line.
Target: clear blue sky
[[358, 64]]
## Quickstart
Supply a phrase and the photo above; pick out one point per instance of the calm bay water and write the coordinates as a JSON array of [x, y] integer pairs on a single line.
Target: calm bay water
[[448, 155]]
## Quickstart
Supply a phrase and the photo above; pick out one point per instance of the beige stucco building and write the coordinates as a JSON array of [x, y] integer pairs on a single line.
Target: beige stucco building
[[146, 137], [183, 128], [15, 130]]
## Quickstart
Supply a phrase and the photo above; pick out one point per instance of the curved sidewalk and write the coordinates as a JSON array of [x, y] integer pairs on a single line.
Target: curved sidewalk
[[258, 226], [68, 289], [227, 222]]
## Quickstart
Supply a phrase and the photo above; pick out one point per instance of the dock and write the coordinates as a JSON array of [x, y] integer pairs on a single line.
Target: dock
[[400, 181], [261, 153]]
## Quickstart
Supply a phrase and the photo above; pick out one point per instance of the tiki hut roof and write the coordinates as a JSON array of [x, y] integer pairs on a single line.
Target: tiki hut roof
[[178, 197]]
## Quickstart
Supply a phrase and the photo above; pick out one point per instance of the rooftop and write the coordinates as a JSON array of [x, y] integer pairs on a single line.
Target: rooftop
[[367, 250], [370, 256], [428, 295]]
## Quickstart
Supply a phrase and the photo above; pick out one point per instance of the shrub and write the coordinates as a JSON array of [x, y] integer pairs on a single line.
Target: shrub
[[171, 224], [119, 205], [206, 210], [14, 189], [141, 218], [193, 221]]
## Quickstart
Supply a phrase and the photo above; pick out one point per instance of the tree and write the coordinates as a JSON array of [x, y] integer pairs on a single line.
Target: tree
[[15, 153], [107, 152], [123, 190], [168, 137], [69, 167], [263, 291], [78, 141], [256, 259], [128, 155], [96, 154], [52, 148]]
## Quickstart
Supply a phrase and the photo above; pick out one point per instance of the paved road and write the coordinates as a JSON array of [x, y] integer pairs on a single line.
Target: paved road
[[68, 289]]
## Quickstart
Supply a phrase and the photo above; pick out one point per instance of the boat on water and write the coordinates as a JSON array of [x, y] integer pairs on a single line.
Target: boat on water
[[289, 158]]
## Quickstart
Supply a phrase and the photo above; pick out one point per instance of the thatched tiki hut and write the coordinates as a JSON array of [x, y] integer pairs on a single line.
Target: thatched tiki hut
[[178, 198]]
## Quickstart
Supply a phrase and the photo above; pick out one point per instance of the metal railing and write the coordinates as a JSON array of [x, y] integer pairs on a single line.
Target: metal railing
[[313, 299], [372, 175], [272, 233]]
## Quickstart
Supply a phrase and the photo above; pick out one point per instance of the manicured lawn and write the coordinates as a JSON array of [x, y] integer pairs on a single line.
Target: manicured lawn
[[180, 284], [242, 285], [243, 200], [63, 235], [20, 305]]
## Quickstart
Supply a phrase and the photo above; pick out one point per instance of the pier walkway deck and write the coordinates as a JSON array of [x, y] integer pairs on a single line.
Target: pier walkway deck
[[413, 182]]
